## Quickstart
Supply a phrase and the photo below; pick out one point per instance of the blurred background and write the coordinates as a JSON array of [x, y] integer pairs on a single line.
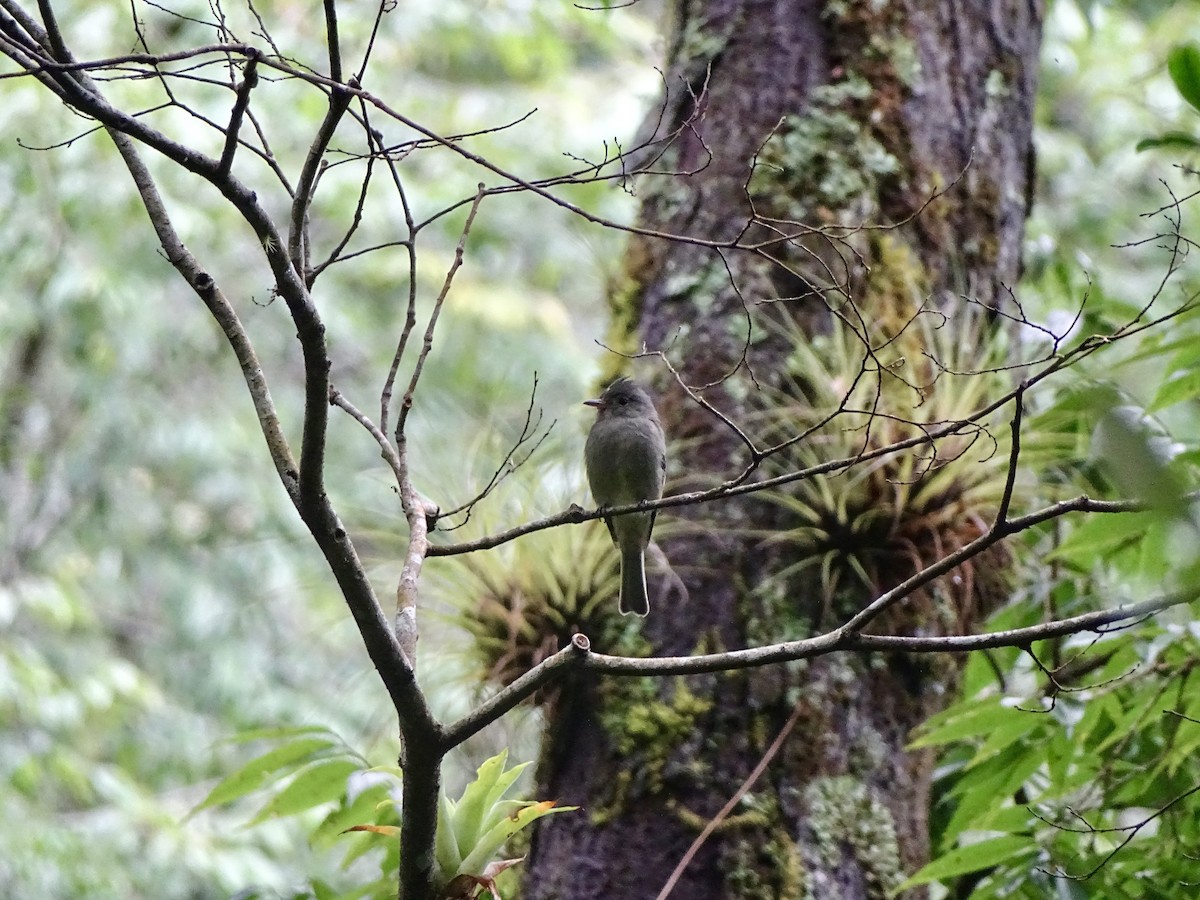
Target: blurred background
[[158, 597]]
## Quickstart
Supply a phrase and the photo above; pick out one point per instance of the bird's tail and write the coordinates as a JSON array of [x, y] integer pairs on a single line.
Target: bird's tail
[[633, 583]]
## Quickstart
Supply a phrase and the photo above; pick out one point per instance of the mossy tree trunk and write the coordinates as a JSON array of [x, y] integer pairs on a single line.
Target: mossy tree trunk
[[832, 115]]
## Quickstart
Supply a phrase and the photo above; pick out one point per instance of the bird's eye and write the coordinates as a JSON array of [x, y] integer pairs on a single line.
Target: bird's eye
[[624, 400]]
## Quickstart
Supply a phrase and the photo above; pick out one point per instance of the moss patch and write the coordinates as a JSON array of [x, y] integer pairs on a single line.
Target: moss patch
[[758, 865], [642, 723], [824, 159], [847, 818]]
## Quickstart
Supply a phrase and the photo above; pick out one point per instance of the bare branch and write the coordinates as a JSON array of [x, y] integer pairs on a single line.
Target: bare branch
[[53, 33], [998, 532], [220, 308], [1014, 455], [839, 640], [333, 40], [386, 450], [249, 80], [305, 486], [845, 639], [439, 301], [375, 142], [383, 7], [355, 222], [550, 669], [507, 466], [576, 515], [418, 511], [298, 249], [1130, 832]]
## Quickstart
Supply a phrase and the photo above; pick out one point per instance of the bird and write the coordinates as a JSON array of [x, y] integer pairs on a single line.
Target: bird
[[626, 460]]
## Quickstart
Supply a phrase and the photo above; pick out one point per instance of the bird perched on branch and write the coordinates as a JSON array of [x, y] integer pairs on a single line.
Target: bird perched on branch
[[626, 462]]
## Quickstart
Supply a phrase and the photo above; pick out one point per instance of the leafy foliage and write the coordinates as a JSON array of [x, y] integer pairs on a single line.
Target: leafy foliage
[[473, 829], [1069, 767], [312, 774], [1183, 63], [155, 597], [156, 594], [1076, 757]]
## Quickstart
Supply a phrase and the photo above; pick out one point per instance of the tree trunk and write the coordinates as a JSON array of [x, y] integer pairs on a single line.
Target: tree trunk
[[834, 116]]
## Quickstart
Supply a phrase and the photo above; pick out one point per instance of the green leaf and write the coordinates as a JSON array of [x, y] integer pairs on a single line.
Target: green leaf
[[490, 842], [1183, 751], [446, 850], [1011, 819], [259, 770], [1185, 386], [971, 858], [276, 733], [1058, 751], [472, 807], [1007, 731], [470, 831], [493, 806], [362, 843], [1170, 140], [319, 783], [1183, 64], [322, 890], [982, 788], [364, 807], [972, 721], [1096, 722], [1098, 537]]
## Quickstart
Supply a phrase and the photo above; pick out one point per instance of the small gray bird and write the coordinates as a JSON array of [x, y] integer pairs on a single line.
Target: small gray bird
[[626, 461]]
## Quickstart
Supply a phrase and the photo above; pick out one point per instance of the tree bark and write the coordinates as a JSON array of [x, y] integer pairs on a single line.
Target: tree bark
[[835, 115]]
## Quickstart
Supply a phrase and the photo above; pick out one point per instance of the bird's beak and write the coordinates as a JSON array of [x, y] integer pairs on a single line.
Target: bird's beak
[[594, 404]]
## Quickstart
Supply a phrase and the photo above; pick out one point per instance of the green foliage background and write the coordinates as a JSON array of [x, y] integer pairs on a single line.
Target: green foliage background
[[157, 597]]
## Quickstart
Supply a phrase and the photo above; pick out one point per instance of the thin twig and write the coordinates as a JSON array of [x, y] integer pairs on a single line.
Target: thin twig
[[298, 249], [386, 450], [507, 466], [1014, 454], [714, 823], [332, 40], [1132, 832], [439, 301], [240, 105]]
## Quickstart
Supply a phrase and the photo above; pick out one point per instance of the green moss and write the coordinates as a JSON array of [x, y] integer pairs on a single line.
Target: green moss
[[641, 723], [625, 304], [670, 195], [758, 855], [698, 42], [837, 159], [646, 729], [997, 87], [698, 285], [896, 286], [902, 52], [846, 817], [826, 157], [774, 613], [985, 199], [755, 818], [868, 753], [663, 196], [603, 810], [763, 865]]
